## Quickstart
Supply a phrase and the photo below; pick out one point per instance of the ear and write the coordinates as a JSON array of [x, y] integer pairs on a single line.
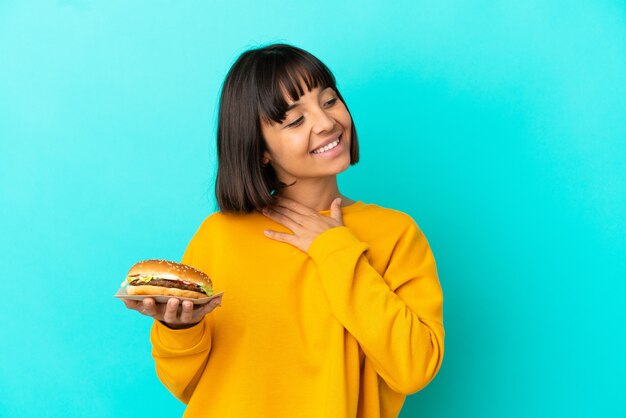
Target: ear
[[266, 157]]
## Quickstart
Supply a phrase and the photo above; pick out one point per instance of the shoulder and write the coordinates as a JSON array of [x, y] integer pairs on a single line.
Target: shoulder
[[219, 223], [214, 220], [382, 227], [388, 218]]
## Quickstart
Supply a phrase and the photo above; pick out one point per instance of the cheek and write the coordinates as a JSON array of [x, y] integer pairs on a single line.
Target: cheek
[[343, 117], [346, 123], [290, 148]]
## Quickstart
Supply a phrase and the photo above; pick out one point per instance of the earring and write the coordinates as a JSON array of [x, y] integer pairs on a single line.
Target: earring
[[265, 163]]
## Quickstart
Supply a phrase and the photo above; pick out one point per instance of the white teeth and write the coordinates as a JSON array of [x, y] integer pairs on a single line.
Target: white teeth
[[327, 147]]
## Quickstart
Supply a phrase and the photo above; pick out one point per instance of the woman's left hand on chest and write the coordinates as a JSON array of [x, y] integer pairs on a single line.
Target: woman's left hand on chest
[[305, 223]]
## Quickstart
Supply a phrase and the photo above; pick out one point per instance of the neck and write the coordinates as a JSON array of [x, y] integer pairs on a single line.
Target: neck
[[316, 193]]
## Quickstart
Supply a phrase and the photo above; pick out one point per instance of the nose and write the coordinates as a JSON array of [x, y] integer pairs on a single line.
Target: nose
[[323, 122]]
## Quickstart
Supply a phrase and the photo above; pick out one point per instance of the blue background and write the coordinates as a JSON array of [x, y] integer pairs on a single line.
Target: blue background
[[500, 126]]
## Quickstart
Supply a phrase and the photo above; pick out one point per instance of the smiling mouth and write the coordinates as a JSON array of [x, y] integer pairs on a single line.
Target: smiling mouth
[[328, 147]]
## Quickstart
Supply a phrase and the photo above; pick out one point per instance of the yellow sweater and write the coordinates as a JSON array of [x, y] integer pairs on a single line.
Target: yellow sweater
[[346, 330]]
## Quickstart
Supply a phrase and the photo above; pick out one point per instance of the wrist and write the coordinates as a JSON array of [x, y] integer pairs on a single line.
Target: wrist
[[178, 326]]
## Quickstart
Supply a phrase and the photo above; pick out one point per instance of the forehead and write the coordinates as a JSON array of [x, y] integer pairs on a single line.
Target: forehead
[[280, 88]]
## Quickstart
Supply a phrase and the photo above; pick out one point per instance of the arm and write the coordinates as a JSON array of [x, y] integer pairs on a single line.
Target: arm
[[398, 325], [181, 354], [397, 318]]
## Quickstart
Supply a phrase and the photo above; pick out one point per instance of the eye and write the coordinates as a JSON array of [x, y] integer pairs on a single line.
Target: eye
[[295, 122], [331, 102]]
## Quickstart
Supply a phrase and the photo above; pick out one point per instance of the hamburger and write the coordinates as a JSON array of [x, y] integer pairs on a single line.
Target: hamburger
[[162, 277]]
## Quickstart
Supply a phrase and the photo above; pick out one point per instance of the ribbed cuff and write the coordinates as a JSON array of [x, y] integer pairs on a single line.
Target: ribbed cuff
[[177, 339], [331, 241]]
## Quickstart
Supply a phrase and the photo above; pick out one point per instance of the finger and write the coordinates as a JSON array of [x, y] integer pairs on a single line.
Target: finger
[[131, 304], [216, 302], [171, 311], [280, 236], [210, 307], [335, 210], [149, 307], [280, 218], [140, 307], [295, 206], [185, 316]]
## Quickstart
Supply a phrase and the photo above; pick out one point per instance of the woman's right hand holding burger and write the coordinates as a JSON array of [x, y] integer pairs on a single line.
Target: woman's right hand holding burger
[[171, 314]]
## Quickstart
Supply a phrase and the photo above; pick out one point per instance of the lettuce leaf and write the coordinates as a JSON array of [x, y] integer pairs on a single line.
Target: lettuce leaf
[[207, 290], [143, 279]]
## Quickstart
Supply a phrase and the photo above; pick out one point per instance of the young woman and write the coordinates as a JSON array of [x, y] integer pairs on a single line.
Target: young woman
[[333, 307]]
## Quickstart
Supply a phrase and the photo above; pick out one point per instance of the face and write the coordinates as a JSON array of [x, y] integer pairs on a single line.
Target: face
[[313, 141]]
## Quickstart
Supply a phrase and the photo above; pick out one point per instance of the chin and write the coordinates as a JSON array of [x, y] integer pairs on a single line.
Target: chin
[[346, 165], [343, 167]]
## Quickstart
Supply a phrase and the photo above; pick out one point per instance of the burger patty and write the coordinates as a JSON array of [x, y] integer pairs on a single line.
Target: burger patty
[[169, 283]]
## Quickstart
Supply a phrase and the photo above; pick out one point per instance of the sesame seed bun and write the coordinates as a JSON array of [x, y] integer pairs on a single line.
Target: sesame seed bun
[[170, 272]]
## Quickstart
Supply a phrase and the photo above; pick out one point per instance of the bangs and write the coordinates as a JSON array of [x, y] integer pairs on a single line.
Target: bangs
[[286, 75]]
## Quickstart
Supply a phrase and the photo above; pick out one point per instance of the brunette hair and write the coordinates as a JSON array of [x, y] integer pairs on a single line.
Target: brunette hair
[[252, 92]]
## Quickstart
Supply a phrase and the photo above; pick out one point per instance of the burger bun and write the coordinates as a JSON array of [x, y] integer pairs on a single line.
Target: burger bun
[[163, 291]]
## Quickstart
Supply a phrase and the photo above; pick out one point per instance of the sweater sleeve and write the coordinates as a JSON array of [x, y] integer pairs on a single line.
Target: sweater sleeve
[[397, 318], [181, 355]]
